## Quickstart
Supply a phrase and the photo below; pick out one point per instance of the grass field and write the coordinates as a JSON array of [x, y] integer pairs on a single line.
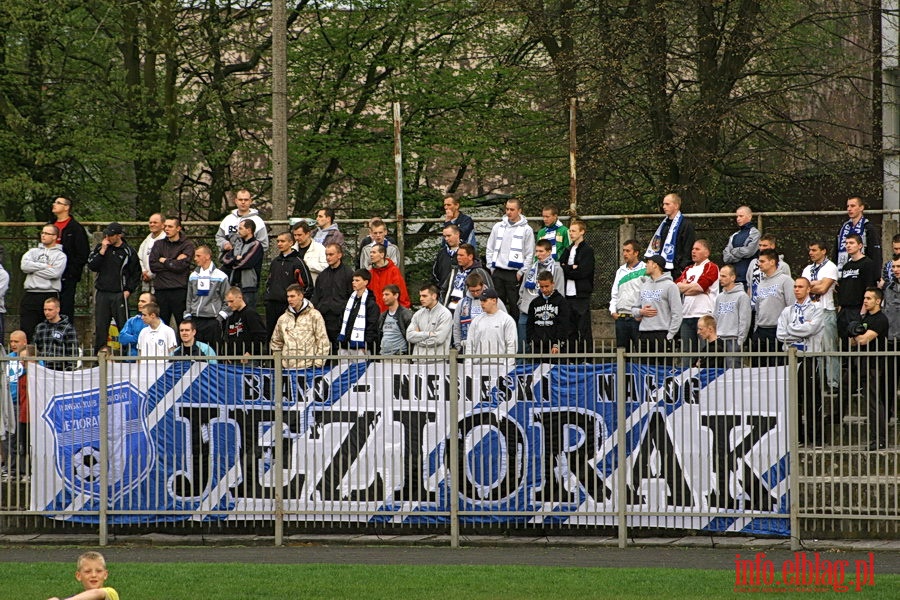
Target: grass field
[[193, 581]]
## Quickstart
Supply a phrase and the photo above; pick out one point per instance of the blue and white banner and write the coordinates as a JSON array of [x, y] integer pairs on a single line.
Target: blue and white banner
[[704, 449]]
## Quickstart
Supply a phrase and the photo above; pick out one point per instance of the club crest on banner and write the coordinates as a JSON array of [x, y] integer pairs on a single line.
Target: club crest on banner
[[74, 420]]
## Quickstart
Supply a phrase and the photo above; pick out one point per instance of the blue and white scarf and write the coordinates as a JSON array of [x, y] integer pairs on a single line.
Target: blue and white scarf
[[846, 229], [666, 248], [516, 246], [548, 264], [358, 333]]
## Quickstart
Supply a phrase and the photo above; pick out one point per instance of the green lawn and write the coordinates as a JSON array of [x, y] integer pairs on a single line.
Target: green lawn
[[193, 581]]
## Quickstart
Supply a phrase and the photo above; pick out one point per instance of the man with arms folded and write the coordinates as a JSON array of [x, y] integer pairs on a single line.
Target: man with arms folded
[[732, 314]]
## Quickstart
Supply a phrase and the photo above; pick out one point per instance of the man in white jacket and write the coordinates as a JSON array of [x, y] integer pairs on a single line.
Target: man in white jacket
[[228, 229], [800, 326], [493, 332], [509, 253], [429, 331]]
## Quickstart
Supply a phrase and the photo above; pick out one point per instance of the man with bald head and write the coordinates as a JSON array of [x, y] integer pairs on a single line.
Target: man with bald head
[[743, 245], [674, 237]]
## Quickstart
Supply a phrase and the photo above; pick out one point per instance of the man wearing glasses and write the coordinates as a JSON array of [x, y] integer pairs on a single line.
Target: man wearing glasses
[[74, 240], [43, 267]]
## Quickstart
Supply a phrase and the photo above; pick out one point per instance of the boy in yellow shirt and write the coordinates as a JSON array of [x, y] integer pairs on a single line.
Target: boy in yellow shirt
[[91, 572]]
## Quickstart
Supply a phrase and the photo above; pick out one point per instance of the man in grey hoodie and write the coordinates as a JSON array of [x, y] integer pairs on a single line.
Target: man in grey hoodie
[[774, 293], [732, 313], [659, 308], [43, 267]]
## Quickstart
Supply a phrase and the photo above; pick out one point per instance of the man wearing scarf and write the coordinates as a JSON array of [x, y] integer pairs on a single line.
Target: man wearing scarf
[[543, 261], [359, 324], [510, 250], [674, 237], [801, 326], [861, 226], [554, 231]]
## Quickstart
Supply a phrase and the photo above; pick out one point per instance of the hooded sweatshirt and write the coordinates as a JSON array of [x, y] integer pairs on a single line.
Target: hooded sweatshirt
[[732, 313], [801, 325], [663, 295], [382, 276], [773, 294], [511, 246], [227, 231], [43, 268]]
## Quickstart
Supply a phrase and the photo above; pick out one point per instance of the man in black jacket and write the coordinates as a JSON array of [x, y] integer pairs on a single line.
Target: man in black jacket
[[577, 263], [549, 318], [245, 333], [286, 268], [118, 270], [170, 262], [333, 289], [75, 245]]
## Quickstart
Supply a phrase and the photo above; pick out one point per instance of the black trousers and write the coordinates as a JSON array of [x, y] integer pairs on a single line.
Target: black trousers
[[209, 331], [171, 303], [582, 337], [108, 306], [31, 311], [67, 299], [506, 282]]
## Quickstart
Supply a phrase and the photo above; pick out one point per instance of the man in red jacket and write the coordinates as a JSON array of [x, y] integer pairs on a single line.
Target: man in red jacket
[[384, 271]]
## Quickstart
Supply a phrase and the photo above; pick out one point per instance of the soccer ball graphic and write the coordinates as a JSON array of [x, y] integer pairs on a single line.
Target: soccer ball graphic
[[86, 463]]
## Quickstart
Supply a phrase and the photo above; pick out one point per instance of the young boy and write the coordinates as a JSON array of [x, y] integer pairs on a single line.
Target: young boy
[[91, 572]]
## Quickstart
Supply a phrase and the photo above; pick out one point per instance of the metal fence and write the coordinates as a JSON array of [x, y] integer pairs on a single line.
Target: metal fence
[[609, 443]]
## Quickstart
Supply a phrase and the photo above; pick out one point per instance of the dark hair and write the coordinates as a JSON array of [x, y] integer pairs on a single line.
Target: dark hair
[[363, 273], [878, 293], [856, 237], [380, 248], [151, 308], [545, 244], [295, 287], [770, 254], [452, 227], [469, 248], [174, 218], [429, 287], [769, 237], [301, 224], [249, 224], [392, 289], [823, 245], [545, 276], [329, 212], [188, 322], [552, 208], [635, 245]]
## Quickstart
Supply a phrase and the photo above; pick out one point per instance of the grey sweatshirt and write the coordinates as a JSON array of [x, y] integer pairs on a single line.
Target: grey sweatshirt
[[43, 268], [663, 295], [732, 313], [773, 295]]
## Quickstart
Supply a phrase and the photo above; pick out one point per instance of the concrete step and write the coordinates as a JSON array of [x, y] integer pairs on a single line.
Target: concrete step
[[872, 497]]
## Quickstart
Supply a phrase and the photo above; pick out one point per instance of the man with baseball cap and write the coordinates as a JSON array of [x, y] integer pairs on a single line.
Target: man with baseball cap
[[118, 270]]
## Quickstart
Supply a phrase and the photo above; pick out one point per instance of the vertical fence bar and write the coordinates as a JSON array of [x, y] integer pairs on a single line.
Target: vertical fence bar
[[453, 440], [793, 447], [104, 449], [621, 497], [279, 451]]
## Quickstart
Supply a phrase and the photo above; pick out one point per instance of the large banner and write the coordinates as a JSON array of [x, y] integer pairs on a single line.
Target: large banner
[[369, 442]]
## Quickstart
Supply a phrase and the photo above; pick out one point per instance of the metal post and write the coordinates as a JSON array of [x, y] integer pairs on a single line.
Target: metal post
[[453, 440], [398, 177], [621, 454], [573, 154], [793, 447], [104, 448], [279, 451], [279, 111]]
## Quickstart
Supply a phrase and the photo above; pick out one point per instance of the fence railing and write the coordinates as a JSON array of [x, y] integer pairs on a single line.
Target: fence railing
[[627, 444]]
